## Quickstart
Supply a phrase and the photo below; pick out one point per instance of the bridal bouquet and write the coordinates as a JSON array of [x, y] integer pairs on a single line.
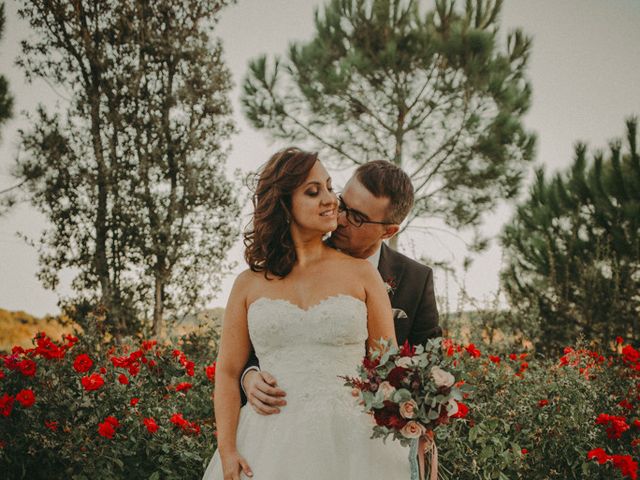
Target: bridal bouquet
[[409, 391]]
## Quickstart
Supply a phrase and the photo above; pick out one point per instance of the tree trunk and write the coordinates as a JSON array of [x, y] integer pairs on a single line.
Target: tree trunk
[[100, 255], [158, 307]]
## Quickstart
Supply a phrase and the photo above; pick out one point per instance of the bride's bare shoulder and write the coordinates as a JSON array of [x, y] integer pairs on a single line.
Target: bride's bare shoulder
[[356, 265], [248, 280]]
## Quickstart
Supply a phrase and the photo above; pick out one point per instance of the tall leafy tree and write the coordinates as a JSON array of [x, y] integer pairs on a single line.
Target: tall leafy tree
[[573, 248], [131, 175], [436, 92]]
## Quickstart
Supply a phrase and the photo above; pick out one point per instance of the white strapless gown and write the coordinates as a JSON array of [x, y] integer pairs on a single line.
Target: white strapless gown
[[321, 434]]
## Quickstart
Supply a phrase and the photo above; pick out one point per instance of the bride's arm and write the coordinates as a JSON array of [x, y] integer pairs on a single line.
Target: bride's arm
[[232, 357], [379, 314]]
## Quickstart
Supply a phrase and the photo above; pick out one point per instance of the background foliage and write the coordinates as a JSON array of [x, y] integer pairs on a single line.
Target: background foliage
[[573, 248]]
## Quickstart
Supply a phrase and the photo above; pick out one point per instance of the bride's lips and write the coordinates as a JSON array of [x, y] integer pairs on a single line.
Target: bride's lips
[[329, 213]]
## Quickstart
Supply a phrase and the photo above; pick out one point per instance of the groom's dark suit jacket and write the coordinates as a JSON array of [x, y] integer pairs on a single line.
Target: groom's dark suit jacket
[[411, 292]]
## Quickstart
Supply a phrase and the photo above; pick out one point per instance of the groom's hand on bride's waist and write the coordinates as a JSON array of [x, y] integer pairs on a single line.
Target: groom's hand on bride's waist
[[263, 393]]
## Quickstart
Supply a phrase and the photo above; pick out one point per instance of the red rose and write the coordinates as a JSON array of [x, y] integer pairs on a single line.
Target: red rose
[[47, 349], [177, 419], [134, 369], [152, 363], [599, 454], [134, 401], [462, 412], [494, 359], [630, 354], [148, 344], [151, 425], [472, 350], [513, 356], [106, 430], [636, 423], [183, 387], [190, 366], [211, 372], [626, 465], [103, 370], [626, 404], [113, 421], [6, 404], [122, 378], [615, 426], [523, 367], [524, 451], [396, 376], [1, 374], [92, 382], [120, 362], [51, 425], [187, 426], [543, 403], [389, 416], [26, 397], [27, 367], [619, 340], [82, 363]]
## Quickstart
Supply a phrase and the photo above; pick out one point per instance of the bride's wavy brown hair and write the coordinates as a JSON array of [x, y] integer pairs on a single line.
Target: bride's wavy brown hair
[[268, 244]]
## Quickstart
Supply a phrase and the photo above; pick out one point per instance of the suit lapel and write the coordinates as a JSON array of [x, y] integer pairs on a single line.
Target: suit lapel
[[390, 270]]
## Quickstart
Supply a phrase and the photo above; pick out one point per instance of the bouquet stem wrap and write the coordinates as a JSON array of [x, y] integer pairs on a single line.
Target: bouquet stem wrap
[[427, 445]]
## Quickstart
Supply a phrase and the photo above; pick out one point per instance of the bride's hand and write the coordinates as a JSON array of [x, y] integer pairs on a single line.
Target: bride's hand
[[233, 464]]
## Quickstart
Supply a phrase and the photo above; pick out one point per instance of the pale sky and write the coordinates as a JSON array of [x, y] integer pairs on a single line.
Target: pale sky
[[584, 68]]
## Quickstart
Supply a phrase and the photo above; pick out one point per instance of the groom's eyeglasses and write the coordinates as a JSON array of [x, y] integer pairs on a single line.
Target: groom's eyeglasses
[[354, 217]]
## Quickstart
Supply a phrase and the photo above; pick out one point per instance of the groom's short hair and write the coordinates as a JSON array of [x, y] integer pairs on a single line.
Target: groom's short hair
[[384, 179]]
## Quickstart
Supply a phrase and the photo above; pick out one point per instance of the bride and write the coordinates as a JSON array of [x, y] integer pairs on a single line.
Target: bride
[[309, 311]]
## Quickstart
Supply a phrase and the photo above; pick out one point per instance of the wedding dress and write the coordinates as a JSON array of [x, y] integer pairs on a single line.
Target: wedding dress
[[321, 434]]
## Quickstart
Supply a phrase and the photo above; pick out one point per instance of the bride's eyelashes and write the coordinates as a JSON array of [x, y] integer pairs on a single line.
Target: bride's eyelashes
[[314, 193]]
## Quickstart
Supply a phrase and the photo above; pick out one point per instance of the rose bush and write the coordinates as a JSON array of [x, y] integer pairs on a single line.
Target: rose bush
[[542, 418], [81, 408]]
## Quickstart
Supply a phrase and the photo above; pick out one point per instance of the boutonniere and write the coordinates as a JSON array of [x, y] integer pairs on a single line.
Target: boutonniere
[[390, 285]]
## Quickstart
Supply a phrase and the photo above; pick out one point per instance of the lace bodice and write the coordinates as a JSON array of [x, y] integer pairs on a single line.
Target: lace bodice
[[306, 350]]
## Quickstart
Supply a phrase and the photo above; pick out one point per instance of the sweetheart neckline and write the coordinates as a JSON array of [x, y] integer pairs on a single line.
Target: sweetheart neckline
[[308, 309]]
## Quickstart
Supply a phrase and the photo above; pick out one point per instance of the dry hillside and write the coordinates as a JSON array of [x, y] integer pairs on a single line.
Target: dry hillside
[[18, 328]]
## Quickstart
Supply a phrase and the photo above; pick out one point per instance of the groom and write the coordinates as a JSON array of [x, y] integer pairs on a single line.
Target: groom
[[373, 204]]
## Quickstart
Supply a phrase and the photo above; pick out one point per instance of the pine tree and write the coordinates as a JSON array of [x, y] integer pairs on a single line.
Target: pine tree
[[432, 91], [573, 248]]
